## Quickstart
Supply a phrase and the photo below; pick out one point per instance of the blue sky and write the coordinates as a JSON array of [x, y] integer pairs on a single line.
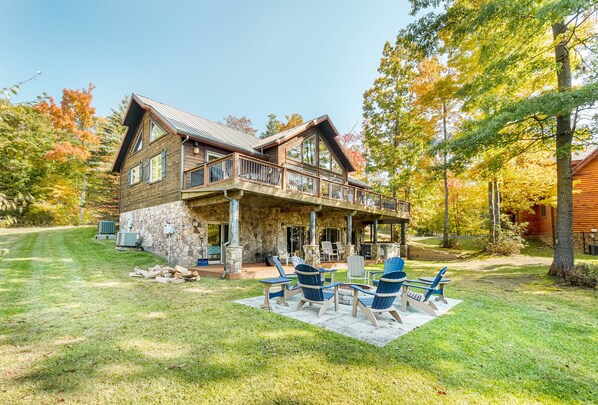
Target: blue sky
[[214, 58]]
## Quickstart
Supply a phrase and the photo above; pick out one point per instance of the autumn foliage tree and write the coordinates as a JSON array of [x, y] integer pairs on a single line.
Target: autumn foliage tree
[[242, 124], [292, 121], [74, 120]]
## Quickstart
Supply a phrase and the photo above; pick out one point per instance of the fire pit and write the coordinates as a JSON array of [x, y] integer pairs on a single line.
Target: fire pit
[[345, 293]]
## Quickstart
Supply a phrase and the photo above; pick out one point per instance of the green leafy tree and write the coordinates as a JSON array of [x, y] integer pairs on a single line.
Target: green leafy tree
[[518, 59], [396, 138], [271, 127]]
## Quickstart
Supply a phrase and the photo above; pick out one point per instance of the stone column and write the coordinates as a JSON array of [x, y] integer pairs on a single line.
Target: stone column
[[312, 228], [234, 252], [234, 259], [404, 252], [349, 250], [312, 255]]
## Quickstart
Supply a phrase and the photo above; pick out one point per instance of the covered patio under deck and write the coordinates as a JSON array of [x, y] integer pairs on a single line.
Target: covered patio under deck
[[258, 224]]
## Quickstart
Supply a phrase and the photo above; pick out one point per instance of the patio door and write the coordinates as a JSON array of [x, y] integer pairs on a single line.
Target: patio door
[[217, 240], [295, 240]]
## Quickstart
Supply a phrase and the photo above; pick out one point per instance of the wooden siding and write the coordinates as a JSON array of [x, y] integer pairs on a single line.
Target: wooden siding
[[193, 160], [585, 198], [167, 189]]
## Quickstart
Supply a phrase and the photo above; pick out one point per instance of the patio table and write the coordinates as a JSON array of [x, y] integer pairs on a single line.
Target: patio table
[[268, 283], [441, 284]]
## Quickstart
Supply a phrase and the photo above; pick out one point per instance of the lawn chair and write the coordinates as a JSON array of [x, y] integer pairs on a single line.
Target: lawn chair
[[291, 289], [296, 260], [391, 264], [422, 301], [382, 300], [313, 288], [340, 249], [356, 269], [328, 252]]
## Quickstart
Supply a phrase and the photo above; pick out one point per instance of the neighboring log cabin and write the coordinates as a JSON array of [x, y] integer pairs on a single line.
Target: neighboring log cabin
[[233, 198], [542, 220]]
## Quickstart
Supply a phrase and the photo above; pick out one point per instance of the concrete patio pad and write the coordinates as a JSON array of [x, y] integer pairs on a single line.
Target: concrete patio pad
[[358, 328]]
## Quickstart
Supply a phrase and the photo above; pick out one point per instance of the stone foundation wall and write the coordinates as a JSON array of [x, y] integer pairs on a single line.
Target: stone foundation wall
[[263, 231], [149, 223]]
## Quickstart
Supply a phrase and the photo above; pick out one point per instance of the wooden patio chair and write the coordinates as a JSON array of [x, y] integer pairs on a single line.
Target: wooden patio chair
[[327, 251], [356, 269], [291, 289], [423, 300], [382, 300], [313, 288], [340, 249], [391, 264]]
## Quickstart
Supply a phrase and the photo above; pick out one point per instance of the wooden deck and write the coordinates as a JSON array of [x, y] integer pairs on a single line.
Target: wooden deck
[[258, 270]]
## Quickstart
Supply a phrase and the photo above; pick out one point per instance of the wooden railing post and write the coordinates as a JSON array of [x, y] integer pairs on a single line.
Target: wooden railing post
[[235, 165], [283, 181], [206, 176]]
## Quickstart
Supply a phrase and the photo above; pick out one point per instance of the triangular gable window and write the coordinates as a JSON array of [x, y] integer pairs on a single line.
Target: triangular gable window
[[138, 145], [156, 131], [327, 160]]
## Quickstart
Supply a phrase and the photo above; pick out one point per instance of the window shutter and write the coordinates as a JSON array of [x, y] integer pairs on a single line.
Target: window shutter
[[140, 171], [129, 177], [163, 163], [147, 171]]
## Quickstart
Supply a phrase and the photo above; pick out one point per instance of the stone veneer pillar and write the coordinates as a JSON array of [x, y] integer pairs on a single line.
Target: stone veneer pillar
[[349, 250], [234, 259], [312, 255]]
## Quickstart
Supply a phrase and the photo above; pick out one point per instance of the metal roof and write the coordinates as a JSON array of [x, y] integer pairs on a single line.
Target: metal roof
[[197, 127], [356, 182]]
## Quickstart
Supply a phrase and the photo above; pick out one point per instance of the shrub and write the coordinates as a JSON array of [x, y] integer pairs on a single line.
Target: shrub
[[510, 242], [452, 243], [585, 274]]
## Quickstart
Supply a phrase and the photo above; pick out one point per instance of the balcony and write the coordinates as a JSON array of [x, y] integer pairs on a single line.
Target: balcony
[[235, 169]]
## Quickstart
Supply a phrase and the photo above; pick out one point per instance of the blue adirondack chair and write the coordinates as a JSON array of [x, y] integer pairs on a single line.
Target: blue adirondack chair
[[291, 289], [313, 288], [422, 300], [391, 264], [389, 288], [296, 260]]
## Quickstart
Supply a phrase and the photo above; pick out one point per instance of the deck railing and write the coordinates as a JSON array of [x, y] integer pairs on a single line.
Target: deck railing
[[245, 168]]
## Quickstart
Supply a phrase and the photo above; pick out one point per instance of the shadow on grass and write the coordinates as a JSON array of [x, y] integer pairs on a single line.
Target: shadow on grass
[[516, 334]]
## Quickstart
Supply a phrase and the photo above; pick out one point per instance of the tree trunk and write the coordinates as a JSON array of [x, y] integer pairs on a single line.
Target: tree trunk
[[82, 200], [445, 235], [563, 261], [497, 220], [491, 214]]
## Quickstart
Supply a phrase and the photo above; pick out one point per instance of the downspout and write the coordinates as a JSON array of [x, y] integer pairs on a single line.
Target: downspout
[[183, 161]]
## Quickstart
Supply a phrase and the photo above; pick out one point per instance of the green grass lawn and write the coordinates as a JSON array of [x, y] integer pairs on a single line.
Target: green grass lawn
[[75, 328]]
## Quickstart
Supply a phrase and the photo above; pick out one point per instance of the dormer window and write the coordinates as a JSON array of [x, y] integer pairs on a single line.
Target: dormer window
[[156, 131]]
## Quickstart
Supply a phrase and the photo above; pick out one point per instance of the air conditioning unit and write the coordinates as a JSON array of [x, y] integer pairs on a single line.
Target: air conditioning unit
[[106, 228], [128, 239]]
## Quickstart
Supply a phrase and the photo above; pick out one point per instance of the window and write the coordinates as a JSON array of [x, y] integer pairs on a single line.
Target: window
[[135, 174], [213, 156], [324, 156], [543, 210], [335, 166], [309, 150], [330, 235], [156, 167], [156, 131], [138, 145], [295, 152]]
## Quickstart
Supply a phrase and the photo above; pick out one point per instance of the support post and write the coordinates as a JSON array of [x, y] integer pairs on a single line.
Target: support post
[[349, 249], [234, 252], [375, 248], [312, 251], [404, 252]]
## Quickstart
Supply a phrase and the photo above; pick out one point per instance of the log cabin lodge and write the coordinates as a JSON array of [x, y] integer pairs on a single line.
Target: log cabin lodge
[[234, 199]]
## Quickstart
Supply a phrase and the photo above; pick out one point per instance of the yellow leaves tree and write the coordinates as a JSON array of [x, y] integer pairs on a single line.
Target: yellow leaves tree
[[74, 119], [292, 121]]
